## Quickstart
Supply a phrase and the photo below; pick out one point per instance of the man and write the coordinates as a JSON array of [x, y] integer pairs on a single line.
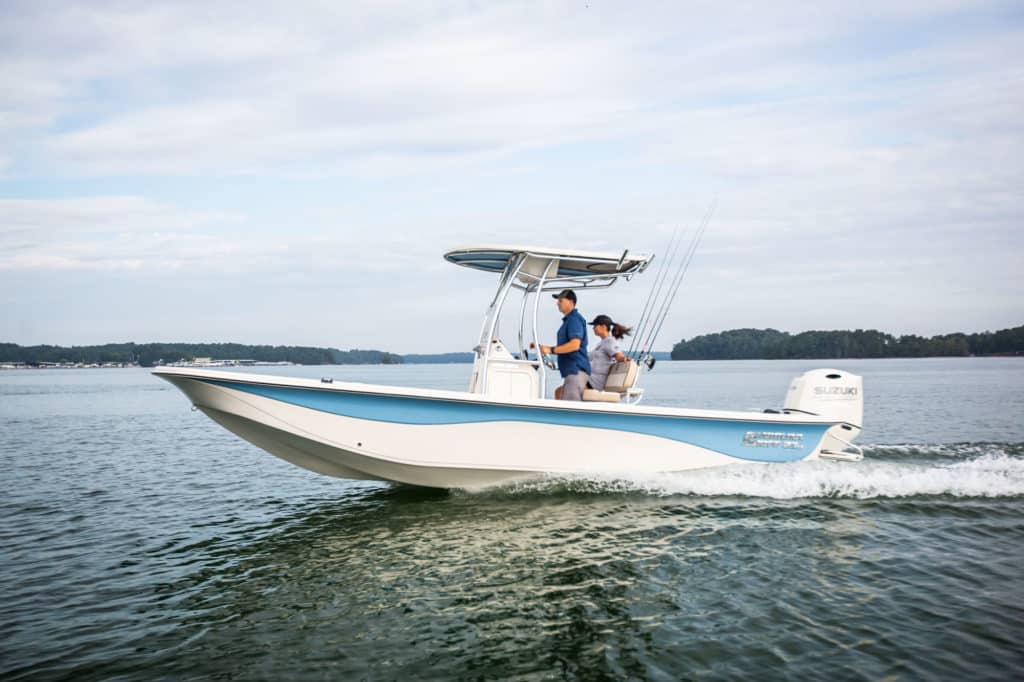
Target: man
[[573, 364]]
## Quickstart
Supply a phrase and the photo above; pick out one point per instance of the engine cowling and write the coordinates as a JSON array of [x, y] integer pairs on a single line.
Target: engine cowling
[[830, 393]]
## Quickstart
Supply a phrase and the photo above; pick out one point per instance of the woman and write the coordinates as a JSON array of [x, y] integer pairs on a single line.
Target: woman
[[607, 352]]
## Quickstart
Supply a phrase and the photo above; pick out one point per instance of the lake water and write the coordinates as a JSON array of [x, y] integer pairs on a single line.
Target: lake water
[[138, 539]]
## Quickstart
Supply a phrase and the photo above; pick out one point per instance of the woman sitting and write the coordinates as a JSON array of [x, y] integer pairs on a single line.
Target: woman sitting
[[607, 352]]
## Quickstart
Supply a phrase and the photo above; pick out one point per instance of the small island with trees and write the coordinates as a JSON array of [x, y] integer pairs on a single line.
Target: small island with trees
[[771, 344]]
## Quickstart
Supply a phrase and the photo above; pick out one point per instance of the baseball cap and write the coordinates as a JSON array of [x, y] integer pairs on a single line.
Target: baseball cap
[[566, 293]]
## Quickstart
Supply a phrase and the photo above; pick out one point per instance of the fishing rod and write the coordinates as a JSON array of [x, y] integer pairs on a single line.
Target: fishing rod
[[677, 281], [674, 288], [655, 287], [657, 302], [664, 304]]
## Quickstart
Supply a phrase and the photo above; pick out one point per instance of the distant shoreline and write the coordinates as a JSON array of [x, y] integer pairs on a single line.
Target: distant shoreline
[[50, 366], [734, 344], [186, 354]]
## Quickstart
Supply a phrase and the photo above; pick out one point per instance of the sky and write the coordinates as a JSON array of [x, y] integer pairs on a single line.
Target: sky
[[291, 173]]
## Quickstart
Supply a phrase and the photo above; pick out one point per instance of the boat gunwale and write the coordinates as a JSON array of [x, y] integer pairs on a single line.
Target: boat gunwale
[[474, 398]]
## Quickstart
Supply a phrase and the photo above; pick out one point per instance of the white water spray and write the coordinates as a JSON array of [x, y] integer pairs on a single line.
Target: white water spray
[[989, 472]]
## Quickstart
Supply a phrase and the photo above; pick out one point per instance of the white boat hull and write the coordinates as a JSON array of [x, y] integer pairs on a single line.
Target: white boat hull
[[450, 439]]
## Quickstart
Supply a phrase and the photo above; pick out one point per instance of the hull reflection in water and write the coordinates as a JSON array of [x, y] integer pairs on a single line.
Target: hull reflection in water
[[509, 584]]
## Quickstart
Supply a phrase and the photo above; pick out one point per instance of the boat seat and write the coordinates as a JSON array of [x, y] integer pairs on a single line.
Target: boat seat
[[592, 395], [621, 378]]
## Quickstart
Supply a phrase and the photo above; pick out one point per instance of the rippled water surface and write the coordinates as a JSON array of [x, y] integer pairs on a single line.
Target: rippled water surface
[[140, 540]]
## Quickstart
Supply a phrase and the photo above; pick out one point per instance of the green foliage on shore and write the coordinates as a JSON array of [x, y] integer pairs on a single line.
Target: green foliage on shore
[[769, 344], [148, 354]]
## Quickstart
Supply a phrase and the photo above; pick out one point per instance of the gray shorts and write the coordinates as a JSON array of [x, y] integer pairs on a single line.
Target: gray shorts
[[573, 385]]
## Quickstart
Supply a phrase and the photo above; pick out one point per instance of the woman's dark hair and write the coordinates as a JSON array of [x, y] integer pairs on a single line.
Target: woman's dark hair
[[617, 330]]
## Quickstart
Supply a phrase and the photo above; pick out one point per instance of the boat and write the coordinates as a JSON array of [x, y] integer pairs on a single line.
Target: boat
[[504, 428]]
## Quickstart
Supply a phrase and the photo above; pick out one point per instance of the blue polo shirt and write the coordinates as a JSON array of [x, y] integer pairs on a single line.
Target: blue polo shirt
[[574, 326]]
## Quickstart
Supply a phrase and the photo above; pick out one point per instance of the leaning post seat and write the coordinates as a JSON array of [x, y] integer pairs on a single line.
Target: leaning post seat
[[592, 395], [620, 381], [622, 376]]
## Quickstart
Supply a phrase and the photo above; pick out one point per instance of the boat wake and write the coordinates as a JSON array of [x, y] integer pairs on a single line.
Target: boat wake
[[887, 471]]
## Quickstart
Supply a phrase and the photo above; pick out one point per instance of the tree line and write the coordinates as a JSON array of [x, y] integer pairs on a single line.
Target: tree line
[[735, 344], [149, 354], [770, 344]]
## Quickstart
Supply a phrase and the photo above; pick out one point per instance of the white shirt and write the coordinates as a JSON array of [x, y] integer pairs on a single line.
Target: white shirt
[[601, 360]]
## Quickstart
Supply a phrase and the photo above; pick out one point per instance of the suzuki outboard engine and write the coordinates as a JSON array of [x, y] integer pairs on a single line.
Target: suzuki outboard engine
[[831, 393]]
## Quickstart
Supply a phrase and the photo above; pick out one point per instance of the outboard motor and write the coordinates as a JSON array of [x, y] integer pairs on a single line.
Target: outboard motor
[[831, 393]]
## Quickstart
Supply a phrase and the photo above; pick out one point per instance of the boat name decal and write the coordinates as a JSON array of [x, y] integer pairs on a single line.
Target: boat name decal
[[773, 439]]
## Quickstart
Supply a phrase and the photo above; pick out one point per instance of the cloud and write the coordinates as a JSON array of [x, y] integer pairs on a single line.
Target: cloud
[[103, 233], [454, 89], [402, 89], [132, 233]]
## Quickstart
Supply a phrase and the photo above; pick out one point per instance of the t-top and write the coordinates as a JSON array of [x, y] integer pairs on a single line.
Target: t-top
[[574, 326], [601, 360]]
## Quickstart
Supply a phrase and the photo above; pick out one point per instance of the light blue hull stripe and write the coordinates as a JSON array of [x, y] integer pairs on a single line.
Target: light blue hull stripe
[[720, 435]]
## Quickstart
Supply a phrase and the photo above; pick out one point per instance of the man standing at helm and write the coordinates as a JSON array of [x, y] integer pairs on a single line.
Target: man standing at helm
[[573, 364]]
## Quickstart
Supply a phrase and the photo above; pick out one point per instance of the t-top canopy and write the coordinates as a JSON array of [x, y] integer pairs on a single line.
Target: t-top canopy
[[572, 265]]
